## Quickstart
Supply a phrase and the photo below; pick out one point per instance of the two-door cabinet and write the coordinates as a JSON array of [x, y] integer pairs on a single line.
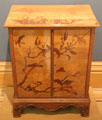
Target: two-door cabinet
[[51, 51]]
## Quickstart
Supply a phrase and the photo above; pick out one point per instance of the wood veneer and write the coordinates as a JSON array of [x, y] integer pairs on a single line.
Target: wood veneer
[[51, 60]]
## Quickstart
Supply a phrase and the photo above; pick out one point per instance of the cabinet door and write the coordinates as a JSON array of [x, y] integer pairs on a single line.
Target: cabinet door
[[32, 59], [71, 48]]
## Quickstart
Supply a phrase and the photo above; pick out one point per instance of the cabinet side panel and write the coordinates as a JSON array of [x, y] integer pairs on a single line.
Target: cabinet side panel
[[12, 55], [32, 58], [92, 35], [71, 48]]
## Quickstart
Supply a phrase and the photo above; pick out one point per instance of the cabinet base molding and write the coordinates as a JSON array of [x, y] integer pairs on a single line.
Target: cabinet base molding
[[50, 104]]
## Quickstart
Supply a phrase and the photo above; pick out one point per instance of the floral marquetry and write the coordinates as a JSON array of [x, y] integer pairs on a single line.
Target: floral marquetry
[[33, 49], [70, 57], [51, 52]]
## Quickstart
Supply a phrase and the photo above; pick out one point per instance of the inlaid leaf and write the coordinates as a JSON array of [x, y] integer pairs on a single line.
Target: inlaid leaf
[[72, 52], [48, 46], [67, 82], [65, 36], [57, 51], [67, 90], [39, 42], [58, 81], [19, 39], [39, 82], [69, 57], [36, 41], [28, 88], [61, 69], [76, 74], [35, 65], [65, 77]]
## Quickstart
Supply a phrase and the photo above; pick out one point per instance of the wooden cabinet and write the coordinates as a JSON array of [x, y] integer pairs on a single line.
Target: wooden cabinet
[[51, 52]]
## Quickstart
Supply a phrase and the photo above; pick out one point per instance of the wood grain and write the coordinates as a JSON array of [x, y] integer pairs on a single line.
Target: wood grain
[[70, 57], [46, 16], [92, 35], [32, 59], [51, 64], [12, 54], [7, 81]]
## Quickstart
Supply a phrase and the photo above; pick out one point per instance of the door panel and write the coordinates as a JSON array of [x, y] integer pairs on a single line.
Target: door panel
[[32, 59], [71, 48]]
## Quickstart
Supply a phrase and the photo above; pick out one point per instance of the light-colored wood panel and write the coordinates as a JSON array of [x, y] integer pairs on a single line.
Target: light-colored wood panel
[[70, 57], [46, 16], [32, 59]]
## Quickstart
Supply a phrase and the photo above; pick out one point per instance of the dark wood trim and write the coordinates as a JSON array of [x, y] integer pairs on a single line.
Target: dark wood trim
[[52, 61], [51, 104], [91, 45], [77, 97], [52, 28]]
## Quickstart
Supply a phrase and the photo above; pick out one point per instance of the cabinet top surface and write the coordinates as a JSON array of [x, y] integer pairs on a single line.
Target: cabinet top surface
[[51, 16]]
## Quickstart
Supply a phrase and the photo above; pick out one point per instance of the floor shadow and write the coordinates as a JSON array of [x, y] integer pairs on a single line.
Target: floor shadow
[[67, 110]]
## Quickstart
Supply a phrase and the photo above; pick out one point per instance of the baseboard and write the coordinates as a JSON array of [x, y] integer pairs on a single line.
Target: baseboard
[[96, 74], [97, 94], [6, 74]]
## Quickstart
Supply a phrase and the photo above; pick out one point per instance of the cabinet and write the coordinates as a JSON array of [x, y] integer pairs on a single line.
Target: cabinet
[[51, 51]]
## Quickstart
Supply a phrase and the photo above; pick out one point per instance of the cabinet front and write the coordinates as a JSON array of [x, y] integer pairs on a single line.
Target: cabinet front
[[51, 62], [32, 59], [71, 48]]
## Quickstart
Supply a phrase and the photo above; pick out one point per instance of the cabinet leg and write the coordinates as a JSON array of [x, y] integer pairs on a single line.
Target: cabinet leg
[[17, 111], [85, 111]]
